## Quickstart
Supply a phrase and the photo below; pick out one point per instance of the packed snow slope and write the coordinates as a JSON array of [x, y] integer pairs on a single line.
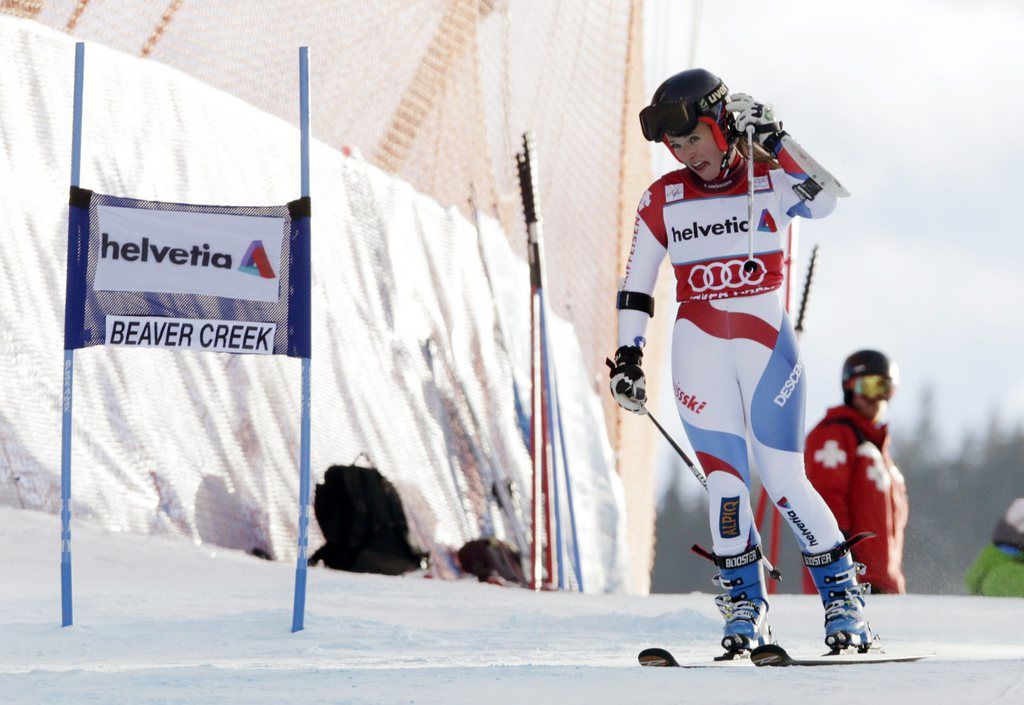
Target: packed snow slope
[[160, 620]]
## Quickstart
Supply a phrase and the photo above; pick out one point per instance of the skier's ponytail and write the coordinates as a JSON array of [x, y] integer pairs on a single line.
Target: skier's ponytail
[[761, 155]]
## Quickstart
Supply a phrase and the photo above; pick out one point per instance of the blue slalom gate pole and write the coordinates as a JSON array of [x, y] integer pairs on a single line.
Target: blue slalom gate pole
[[551, 405], [551, 381], [66, 605], [304, 116], [66, 609], [299, 608], [577, 565], [76, 133]]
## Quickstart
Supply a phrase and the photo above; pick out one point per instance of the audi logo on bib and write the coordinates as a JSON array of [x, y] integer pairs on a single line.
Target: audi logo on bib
[[717, 276], [724, 278]]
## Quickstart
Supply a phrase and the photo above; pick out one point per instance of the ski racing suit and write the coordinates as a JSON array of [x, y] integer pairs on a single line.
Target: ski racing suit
[[737, 375]]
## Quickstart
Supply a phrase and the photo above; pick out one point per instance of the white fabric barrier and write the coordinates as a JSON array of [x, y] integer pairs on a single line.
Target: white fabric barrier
[[420, 329]]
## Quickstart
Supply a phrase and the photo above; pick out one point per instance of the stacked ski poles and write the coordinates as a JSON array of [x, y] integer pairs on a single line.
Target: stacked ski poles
[[545, 410]]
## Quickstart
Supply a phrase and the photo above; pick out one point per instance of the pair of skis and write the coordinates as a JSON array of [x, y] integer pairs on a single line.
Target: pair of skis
[[775, 655]]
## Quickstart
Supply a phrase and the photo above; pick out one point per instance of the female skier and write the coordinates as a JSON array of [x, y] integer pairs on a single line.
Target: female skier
[[736, 371]]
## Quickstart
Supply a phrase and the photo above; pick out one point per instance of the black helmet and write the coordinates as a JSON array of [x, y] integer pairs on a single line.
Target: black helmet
[[870, 362], [858, 371], [682, 100]]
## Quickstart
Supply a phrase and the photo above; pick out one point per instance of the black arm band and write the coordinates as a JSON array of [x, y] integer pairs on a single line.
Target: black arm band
[[635, 301]]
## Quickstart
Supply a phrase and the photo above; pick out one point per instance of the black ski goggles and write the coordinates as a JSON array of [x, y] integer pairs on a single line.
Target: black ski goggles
[[673, 118], [677, 117]]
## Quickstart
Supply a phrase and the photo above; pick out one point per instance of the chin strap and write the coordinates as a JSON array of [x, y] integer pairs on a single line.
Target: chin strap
[[728, 158]]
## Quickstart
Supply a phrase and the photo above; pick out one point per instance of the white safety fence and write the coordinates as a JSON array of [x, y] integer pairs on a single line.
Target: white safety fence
[[420, 332]]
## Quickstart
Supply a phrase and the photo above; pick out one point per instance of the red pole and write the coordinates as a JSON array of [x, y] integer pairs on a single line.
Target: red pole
[[547, 466], [535, 577], [761, 504], [788, 264], [774, 552], [539, 442]]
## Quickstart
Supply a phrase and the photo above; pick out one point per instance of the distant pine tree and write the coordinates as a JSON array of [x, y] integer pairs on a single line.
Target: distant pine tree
[[955, 497], [679, 525]]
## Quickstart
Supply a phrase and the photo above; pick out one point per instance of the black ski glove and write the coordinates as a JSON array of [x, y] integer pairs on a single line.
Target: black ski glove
[[629, 387]]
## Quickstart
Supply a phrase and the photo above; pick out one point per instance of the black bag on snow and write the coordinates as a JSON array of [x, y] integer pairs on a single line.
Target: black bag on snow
[[363, 522], [492, 561]]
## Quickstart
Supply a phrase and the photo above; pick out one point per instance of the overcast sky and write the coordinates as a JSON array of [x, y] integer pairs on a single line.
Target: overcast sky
[[918, 108]]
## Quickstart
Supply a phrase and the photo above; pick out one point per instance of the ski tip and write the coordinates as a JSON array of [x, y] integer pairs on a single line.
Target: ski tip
[[770, 655], [656, 657]]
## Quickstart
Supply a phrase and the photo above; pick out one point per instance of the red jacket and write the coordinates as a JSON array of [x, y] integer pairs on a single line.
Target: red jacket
[[865, 491]]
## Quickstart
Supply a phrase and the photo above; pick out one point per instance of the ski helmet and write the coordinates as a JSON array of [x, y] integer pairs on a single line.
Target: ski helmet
[[682, 101], [865, 363]]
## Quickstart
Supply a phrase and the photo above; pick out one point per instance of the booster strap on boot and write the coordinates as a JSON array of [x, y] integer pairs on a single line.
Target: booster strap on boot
[[817, 560], [752, 555], [744, 559], [773, 572]]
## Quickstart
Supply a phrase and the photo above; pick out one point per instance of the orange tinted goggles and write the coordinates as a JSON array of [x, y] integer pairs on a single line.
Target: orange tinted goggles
[[874, 387]]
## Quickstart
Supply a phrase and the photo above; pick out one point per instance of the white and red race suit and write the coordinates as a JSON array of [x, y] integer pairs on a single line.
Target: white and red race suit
[[736, 368]]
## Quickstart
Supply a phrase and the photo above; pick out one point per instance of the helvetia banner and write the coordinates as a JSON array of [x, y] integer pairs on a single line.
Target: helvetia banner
[[210, 278], [176, 252]]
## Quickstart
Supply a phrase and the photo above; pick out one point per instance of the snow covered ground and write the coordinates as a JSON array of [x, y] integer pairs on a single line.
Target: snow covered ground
[[162, 621]]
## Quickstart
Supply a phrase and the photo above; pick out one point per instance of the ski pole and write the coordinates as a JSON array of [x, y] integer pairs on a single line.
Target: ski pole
[[675, 446], [772, 570], [799, 328], [701, 477], [750, 265]]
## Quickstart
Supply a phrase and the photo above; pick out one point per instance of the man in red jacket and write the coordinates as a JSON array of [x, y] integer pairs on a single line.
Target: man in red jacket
[[848, 462]]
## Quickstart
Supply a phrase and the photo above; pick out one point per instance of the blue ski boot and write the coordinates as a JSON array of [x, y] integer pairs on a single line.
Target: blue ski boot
[[743, 606], [835, 575]]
